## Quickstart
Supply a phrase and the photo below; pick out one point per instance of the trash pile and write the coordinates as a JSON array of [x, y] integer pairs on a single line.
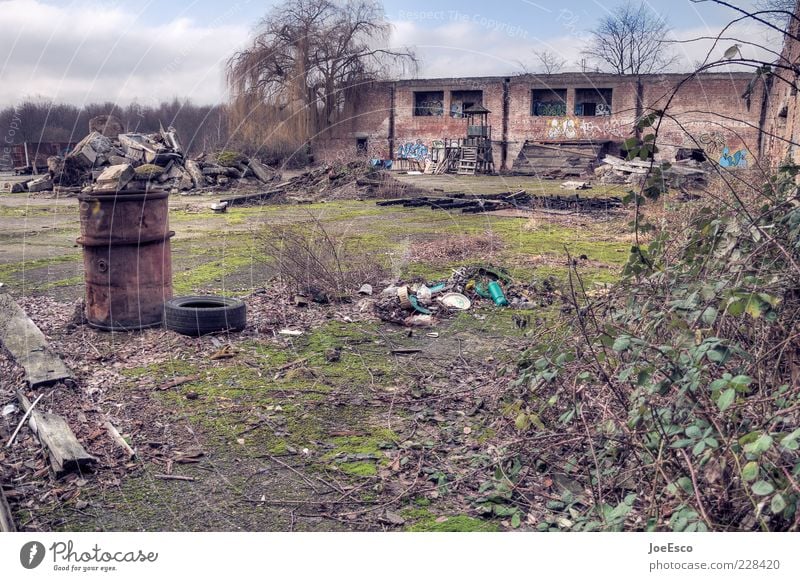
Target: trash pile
[[421, 304], [108, 159]]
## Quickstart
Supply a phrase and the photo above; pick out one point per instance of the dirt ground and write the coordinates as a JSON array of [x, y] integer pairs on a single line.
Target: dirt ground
[[270, 431]]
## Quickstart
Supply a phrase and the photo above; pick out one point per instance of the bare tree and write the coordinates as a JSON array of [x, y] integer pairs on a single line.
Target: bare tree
[[306, 54], [630, 41], [549, 62], [776, 11]]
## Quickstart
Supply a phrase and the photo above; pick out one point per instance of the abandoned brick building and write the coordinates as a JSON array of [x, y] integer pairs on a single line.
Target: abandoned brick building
[[538, 123]]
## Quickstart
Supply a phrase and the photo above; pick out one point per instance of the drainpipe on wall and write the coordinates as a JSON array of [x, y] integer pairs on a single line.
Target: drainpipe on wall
[[762, 119], [504, 142], [391, 121], [639, 105]]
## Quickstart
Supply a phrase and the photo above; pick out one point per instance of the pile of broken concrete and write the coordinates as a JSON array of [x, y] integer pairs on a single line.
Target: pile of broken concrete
[[109, 159]]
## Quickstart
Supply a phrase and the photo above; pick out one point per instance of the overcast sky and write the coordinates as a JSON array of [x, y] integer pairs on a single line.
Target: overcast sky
[[146, 51]]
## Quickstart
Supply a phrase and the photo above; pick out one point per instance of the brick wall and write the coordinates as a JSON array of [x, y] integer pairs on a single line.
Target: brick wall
[[707, 112], [782, 119]]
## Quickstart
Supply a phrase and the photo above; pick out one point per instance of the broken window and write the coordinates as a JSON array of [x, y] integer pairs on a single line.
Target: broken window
[[460, 100], [592, 102], [549, 102], [428, 103]]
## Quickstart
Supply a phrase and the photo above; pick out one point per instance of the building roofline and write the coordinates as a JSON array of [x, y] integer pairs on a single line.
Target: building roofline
[[528, 77]]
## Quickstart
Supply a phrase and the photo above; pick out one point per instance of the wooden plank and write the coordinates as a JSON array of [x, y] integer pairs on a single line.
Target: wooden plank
[[65, 451], [28, 345], [6, 519]]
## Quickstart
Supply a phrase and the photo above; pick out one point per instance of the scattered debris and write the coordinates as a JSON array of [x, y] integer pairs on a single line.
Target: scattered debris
[[576, 186], [684, 173], [473, 204], [456, 301]]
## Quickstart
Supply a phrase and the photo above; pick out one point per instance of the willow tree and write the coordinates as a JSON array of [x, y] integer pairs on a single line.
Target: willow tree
[[306, 55]]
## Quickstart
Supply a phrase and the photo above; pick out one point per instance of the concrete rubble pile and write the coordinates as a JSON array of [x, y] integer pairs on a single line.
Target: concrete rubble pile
[[109, 159], [684, 173]]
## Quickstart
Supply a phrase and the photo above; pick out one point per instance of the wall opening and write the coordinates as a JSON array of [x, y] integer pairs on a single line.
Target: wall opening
[[549, 102], [460, 100], [361, 146], [592, 102], [428, 103], [690, 153]]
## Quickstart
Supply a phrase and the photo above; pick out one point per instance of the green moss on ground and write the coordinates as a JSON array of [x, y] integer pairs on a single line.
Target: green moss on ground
[[422, 520]]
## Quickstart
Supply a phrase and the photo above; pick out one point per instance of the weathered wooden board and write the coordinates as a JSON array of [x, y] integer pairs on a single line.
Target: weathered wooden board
[[65, 451], [28, 345]]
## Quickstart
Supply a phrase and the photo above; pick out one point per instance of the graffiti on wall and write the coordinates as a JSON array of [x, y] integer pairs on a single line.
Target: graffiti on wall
[[413, 150], [550, 109], [712, 141], [737, 159], [602, 110], [569, 128], [562, 129]]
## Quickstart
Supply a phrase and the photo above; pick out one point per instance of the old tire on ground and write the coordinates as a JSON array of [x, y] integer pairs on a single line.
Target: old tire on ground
[[198, 315]]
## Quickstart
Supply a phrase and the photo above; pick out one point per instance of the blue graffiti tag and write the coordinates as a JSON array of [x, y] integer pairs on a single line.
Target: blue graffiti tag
[[411, 150], [738, 159]]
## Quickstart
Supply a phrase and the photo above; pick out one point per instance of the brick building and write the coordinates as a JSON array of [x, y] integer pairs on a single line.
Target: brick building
[[782, 117], [561, 120]]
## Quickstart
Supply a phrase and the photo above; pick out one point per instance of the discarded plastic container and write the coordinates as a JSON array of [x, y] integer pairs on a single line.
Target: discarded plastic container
[[481, 291], [496, 292]]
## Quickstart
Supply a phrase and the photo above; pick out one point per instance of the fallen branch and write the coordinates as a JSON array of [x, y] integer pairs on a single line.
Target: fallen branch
[[22, 421], [176, 382], [120, 441]]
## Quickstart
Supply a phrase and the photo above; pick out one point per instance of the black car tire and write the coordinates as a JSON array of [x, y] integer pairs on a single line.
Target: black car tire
[[199, 315]]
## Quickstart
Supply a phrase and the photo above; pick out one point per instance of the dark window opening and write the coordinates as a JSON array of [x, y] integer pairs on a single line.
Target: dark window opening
[[361, 145], [428, 103], [460, 100], [549, 102], [688, 153], [592, 102]]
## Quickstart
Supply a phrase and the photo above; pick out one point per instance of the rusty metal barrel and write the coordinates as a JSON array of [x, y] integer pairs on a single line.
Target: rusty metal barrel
[[126, 257]]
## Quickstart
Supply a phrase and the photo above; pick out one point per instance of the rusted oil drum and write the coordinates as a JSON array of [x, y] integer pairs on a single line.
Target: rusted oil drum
[[126, 257]]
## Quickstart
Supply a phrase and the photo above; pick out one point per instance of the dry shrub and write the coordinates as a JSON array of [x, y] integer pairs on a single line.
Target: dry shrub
[[458, 247], [319, 264]]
